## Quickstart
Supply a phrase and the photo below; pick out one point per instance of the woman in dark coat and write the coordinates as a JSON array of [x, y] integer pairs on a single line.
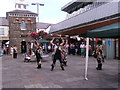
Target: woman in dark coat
[[14, 51]]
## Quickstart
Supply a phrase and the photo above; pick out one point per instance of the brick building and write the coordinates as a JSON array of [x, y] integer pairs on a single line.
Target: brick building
[[4, 29], [21, 23]]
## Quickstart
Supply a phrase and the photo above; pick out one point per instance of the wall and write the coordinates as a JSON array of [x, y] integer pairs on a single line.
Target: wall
[[17, 35], [110, 49], [6, 33]]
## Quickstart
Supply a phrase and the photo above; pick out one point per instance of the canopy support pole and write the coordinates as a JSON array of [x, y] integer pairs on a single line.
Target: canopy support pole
[[86, 59]]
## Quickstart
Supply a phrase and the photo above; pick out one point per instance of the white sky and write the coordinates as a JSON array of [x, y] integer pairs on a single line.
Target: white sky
[[49, 13]]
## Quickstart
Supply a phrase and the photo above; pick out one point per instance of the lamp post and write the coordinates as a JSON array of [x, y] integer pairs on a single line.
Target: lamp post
[[37, 8]]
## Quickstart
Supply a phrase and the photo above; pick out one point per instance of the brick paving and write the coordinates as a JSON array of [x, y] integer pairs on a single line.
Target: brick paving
[[19, 74]]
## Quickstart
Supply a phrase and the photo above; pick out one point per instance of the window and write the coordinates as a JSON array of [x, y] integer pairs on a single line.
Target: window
[[1, 31], [23, 25], [24, 6], [19, 6]]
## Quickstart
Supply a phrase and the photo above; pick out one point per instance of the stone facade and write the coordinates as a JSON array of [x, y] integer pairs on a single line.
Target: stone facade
[[16, 34]]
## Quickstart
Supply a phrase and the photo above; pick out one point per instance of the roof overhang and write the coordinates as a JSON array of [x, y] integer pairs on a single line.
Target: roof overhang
[[89, 20], [41, 25], [21, 13], [83, 31], [109, 31], [74, 6]]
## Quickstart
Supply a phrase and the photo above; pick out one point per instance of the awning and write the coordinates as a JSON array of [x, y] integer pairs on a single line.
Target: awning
[[43, 41], [110, 31], [7, 42]]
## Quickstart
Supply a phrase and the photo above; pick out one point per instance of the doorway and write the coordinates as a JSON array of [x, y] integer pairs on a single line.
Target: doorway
[[23, 47]]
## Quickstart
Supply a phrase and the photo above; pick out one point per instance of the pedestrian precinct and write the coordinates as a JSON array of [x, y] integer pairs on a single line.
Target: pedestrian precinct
[[57, 53]]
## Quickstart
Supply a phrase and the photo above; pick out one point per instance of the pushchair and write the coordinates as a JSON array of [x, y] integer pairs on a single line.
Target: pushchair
[[27, 57], [1, 54]]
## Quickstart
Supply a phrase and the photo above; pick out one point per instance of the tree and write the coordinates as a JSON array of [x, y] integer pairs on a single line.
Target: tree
[[34, 35], [42, 34], [38, 35]]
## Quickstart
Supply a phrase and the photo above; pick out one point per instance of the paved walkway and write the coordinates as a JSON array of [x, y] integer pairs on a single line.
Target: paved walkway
[[19, 74]]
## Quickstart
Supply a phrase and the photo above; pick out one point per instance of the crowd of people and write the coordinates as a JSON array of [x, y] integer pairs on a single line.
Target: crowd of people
[[60, 49], [13, 50]]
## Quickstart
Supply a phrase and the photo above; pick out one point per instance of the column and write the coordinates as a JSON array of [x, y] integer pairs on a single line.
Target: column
[[119, 49]]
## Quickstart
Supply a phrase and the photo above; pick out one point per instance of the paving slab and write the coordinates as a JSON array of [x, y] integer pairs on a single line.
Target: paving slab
[[19, 74]]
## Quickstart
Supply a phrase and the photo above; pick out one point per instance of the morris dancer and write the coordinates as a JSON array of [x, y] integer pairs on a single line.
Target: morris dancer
[[38, 56], [57, 52]]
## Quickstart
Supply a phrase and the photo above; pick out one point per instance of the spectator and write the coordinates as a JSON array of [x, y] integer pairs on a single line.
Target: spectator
[[14, 51], [11, 51], [49, 48], [82, 47]]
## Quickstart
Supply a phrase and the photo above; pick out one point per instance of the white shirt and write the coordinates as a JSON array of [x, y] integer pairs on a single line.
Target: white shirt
[[55, 47], [67, 45], [31, 45], [49, 47], [82, 46]]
